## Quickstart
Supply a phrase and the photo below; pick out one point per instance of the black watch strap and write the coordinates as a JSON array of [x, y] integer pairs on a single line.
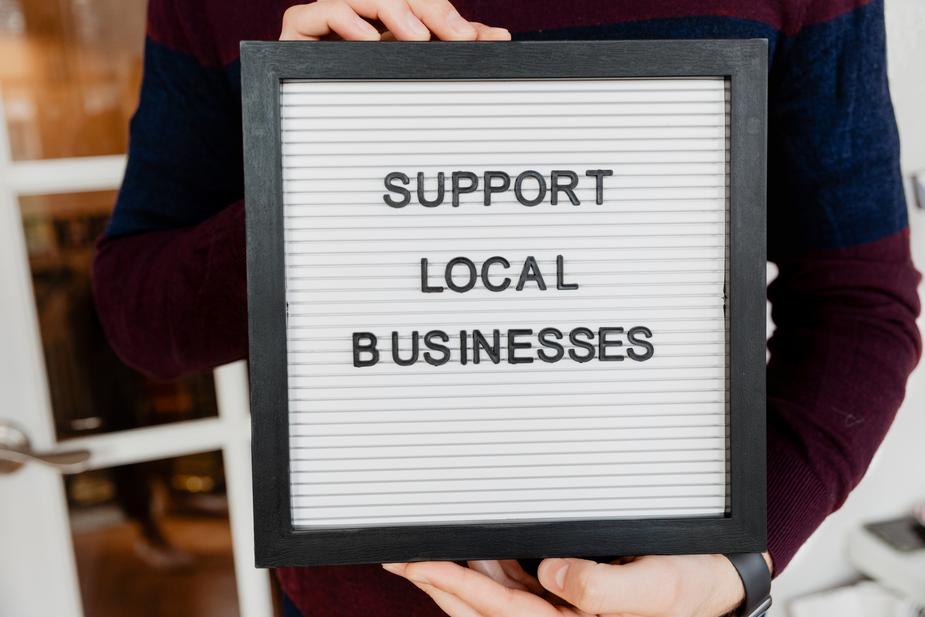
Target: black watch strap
[[756, 578]]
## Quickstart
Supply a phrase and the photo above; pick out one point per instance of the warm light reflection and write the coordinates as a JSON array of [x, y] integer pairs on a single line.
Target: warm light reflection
[[69, 75]]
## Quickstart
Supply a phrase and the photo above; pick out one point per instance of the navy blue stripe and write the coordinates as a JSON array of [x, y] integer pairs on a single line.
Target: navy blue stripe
[[185, 152], [834, 172], [833, 146]]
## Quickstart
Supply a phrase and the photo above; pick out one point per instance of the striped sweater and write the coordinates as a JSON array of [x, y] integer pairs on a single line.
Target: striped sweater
[[169, 277]]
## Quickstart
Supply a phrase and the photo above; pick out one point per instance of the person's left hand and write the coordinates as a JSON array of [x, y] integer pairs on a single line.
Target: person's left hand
[[653, 586]]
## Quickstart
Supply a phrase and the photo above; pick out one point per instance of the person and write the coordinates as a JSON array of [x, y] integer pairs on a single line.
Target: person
[[169, 276]]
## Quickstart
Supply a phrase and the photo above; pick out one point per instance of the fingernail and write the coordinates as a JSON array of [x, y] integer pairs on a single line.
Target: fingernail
[[394, 568], [459, 25], [416, 26]]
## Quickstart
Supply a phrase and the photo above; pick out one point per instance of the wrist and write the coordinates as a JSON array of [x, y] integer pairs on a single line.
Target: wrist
[[754, 572]]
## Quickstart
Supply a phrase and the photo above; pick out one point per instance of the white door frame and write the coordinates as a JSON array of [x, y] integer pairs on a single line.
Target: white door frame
[[38, 573]]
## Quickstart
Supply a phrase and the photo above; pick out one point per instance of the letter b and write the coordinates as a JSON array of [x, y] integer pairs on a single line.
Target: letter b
[[364, 342]]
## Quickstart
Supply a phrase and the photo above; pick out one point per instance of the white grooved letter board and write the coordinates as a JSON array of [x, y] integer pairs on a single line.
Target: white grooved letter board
[[387, 444]]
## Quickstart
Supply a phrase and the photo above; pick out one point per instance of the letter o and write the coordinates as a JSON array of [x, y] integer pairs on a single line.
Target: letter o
[[448, 274], [541, 188]]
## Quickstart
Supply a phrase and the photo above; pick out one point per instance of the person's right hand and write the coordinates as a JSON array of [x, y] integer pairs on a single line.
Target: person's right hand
[[405, 20]]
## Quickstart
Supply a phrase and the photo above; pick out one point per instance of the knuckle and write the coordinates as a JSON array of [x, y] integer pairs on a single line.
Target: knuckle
[[392, 8], [433, 6], [290, 14]]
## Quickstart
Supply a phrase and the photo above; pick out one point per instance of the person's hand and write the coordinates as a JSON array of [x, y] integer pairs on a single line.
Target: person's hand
[[405, 20], [654, 586]]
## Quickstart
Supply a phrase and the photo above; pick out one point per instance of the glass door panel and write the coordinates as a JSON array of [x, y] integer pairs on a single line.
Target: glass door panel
[[92, 391], [152, 539], [70, 74]]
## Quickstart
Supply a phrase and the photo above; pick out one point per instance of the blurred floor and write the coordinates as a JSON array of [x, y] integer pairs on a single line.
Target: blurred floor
[[115, 581]]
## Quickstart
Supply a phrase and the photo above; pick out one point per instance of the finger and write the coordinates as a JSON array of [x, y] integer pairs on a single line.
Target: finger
[[488, 33], [514, 570], [444, 20], [641, 587], [507, 573], [478, 591], [450, 604], [312, 21], [396, 15]]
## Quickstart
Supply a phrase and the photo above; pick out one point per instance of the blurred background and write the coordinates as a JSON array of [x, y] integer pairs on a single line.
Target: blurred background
[[160, 523], [150, 529]]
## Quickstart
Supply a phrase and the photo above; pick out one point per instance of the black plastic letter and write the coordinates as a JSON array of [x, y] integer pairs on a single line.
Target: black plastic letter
[[391, 186]]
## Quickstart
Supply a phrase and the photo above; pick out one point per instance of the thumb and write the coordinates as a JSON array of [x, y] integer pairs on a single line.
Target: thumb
[[602, 588]]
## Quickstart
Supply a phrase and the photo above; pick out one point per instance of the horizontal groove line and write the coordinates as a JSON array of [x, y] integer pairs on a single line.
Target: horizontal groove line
[[559, 248], [508, 466], [494, 165], [412, 289], [378, 192], [570, 236], [550, 489], [521, 152], [499, 140], [514, 430], [612, 379], [506, 372], [639, 114], [490, 443], [489, 327], [504, 336], [448, 168], [470, 408], [539, 261], [541, 514], [450, 295], [557, 298], [559, 213], [710, 86], [488, 501], [539, 477], [595, 208], [492, 455], [719, 342], [505, 225], [495, 396], [533, 369], [519, 310], [351, 129], [622, 366], [718, 101], [535, 406], [524, 419]]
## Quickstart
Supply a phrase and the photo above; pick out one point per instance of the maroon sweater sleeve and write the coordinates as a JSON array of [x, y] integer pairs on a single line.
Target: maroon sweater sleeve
[[174, 302], [844, 345]]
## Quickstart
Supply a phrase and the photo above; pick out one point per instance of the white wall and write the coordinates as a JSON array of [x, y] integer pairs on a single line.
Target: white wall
[[896, 478]]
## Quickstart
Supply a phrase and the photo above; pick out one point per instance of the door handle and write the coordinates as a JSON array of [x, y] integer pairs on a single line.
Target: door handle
[[16, 451]]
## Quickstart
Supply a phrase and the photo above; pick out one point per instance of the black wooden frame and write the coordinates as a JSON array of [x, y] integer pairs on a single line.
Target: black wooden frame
[[265, 64]]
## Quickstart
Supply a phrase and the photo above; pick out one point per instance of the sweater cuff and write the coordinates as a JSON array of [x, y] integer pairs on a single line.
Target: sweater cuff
[[791, 473]]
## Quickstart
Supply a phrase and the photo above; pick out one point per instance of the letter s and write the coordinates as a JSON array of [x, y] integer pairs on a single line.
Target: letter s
[[395, 188]]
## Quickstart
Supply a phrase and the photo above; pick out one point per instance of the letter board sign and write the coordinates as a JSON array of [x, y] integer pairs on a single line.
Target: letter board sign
[[506, 300]]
